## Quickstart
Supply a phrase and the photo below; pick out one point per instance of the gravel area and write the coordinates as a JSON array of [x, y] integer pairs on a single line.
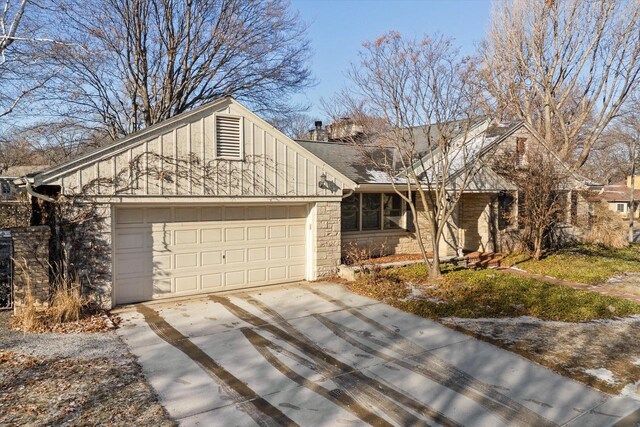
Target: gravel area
[[602, 353], [72, 379]]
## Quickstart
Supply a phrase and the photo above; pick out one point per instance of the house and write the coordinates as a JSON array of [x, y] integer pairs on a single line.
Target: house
[[8, 189], [617, 196], [217, 199]]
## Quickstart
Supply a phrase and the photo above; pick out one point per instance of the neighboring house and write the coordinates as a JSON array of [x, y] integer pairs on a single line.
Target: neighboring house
[[617, 196], [217, 199], [8, 190]]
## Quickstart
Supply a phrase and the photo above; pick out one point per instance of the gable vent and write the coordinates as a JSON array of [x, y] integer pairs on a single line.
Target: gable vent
[[228, 137]]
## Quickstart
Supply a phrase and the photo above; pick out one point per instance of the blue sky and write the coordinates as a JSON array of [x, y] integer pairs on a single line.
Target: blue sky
[[338, 28]]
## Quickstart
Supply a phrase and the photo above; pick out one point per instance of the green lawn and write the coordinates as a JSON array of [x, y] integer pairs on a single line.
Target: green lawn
[[488, 293], [583, 264]]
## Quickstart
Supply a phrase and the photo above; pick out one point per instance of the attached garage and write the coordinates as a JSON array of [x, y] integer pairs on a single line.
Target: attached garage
[[213, 199], [166, 251]]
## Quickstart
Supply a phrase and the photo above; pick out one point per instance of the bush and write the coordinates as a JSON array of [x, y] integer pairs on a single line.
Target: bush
[[607, 228], [67, 305]]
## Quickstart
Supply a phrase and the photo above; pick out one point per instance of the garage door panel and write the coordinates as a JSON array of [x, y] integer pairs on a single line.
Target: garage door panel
[[277, 231], [185, 237], [277, 273], [296, 270], [256, 233], [256, 212], [162, 287], [155, 215], [234, 213], [130, 216], [296, 252], [211, 281], [234, 256], [186, 284], [298, 212], [133, 240], [211, 214], [277, 252], [224, 248], [278, 212], [257, 275], [296, 230], [162, 262], [234, 278], [188, 260], [256, 254], [211, 258], [186, 214], [234, 234], [211, 235]]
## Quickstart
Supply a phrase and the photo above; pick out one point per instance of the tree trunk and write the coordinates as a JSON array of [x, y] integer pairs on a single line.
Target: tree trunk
[[632, 201]]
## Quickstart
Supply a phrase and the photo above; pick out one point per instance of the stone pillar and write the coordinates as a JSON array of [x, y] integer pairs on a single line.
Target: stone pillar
[[327, 238], [30, 265]]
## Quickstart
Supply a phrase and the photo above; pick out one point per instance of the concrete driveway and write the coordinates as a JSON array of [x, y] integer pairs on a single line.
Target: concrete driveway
[[318, 355]]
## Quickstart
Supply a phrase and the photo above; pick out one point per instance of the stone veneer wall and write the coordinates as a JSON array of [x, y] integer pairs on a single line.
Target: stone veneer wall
[[30, 265], [326, 222], [475, 213], [90, 253]]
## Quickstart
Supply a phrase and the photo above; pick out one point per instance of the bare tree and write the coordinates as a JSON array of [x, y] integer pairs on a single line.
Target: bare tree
[[564, 66], [148, 60], [26, 50], [414, 101], [622, 141], [295, 125], [542, 197]]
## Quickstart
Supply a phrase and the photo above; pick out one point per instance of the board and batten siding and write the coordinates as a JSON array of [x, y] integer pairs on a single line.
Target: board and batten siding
[[180, 160]]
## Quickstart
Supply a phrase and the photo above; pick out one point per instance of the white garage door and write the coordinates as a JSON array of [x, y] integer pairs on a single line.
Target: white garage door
[[172, 251]]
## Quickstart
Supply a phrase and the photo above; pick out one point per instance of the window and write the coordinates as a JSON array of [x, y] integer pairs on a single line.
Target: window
[[520, 150], [574, 208], [350, 213], [371, 211], [374, 211], [620, 207], [505, 210], [392, 203], [228, 137], [5, 188]]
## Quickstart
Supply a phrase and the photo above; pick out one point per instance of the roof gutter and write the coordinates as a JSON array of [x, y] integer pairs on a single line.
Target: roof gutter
[[31, 191]]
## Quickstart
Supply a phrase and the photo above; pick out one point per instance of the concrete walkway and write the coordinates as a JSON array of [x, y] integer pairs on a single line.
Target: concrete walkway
[[318, 355]]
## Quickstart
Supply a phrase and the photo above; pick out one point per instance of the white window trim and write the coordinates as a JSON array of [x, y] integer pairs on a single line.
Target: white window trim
[[215, 137]]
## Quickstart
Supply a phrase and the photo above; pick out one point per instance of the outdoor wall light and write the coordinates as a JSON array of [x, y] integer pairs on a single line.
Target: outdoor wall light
[[323, 180]]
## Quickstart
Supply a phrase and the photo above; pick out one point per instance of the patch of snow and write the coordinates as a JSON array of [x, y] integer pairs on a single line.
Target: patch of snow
[[415, 293], [631, 390], [636, 361], [527, 320], [602, 374]]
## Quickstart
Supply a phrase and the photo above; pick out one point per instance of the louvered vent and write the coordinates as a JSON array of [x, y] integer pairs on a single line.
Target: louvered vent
[[228, 137]]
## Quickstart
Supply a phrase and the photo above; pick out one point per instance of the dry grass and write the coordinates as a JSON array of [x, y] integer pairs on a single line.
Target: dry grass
[[607, 228], [67, 306]]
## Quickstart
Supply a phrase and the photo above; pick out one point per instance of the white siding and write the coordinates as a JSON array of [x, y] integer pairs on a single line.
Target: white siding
[[181, 161]]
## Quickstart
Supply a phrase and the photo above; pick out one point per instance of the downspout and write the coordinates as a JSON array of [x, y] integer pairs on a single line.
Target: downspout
[[347, 194], [35, 194]]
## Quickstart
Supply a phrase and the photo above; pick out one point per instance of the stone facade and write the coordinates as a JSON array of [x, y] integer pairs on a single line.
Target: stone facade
[[89, 252], [325, 220], [401, 242], [31, 265]]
